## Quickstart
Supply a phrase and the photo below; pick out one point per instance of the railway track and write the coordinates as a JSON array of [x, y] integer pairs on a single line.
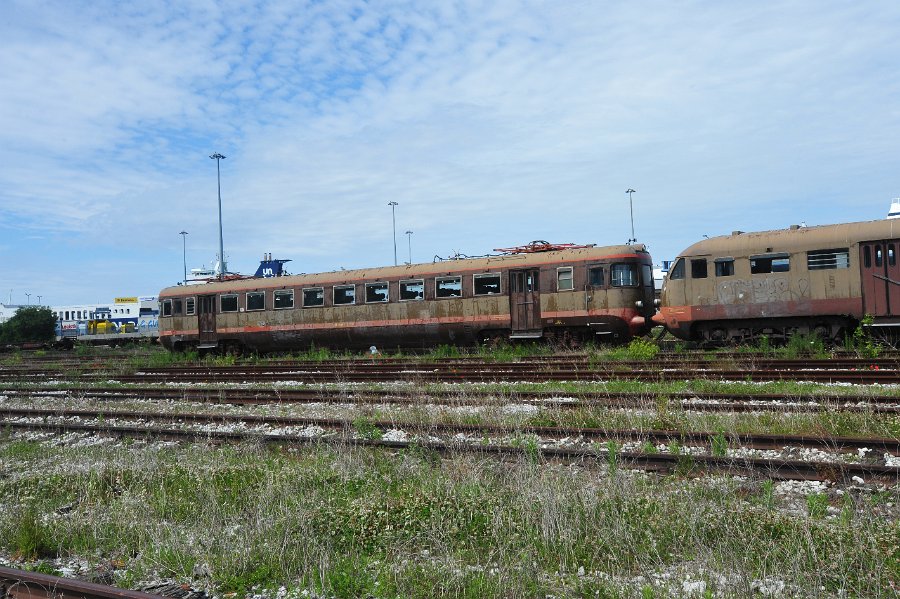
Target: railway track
[[707, 438], [20, 584], [484, 372], [707, 402], [777, 469]]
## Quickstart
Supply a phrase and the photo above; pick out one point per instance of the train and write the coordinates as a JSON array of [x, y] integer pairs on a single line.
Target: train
[[821, 280], [540, 291]]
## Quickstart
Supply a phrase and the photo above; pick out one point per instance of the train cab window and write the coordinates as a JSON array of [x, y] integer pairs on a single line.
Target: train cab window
[[564, 281], [284, 299], [313, 296], [769, 263], [228, 303], [623, 275], [879, 257], [867, 256], [256, 300], [488, 284], [828, 259], [344, 295], [166, 308], [595, 276], [413, 290], [177, 307], [190, 306], [376, 293], [698, 269], [724, 267], [892, 256], [448, 287], [677, 271]]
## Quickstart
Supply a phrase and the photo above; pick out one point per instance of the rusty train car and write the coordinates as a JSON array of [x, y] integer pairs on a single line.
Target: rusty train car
[[583, 292], [820, 280]]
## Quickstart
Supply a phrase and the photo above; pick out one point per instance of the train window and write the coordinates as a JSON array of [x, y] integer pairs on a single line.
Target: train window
[[769, 263], [867, 256], [488, 284], [176, 307], [344, 294], [412, 290], [828, 259], [376, 293], [623, 275], [698, 269], [724, 267], [892, 257], [229, 303], [313, 296], [166, 309], [879, 257], [189, 306], [677, 271], [595, 276], [284, 299], [564, 280], [448, 287], [256, 300]]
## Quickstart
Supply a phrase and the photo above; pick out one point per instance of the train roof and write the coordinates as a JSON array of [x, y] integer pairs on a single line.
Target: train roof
[[446, 267], [795, 239]]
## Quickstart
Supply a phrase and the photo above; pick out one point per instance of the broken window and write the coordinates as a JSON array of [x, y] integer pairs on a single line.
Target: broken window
[[448, 287], [166, 309], [724, 267], [313, 296], [284, 299], [256, 300], [698, 269], [190, 306], [595, 276], [229, 303], [564, 281], [623, 275], [344, 294], [769, 263], [412, 290], [376, 292], [488, 284], [828, 259], [677, 271]]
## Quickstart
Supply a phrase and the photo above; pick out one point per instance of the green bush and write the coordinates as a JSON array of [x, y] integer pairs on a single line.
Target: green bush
[[29, 324]]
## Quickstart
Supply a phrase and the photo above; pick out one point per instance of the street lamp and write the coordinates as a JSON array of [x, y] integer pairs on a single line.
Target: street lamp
[[393, 206], [630, 191], [39, 299], [184, 253], [222, 267], [409, 242], [28, 297]]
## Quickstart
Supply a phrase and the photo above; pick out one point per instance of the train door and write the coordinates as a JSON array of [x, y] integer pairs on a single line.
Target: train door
[[880, 277], [525, 304], [206, 319]]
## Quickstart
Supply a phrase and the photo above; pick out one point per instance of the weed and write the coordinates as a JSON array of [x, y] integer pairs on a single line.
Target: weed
[[638, 350], [817, 505], [719, 445], [366, 429], [612, 456]]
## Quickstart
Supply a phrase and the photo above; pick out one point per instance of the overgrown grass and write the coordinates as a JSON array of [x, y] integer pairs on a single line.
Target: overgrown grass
[[351, 523]]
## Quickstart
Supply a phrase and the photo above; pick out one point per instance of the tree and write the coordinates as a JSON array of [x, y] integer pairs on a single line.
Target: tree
[[31, 323]]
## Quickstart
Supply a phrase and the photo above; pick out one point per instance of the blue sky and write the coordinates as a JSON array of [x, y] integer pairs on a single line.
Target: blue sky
[[490, 123]]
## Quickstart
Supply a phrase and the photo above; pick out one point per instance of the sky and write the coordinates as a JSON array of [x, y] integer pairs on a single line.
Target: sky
[[490, 123]]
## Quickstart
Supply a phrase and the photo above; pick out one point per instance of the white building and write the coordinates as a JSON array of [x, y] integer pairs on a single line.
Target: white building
[[7, 311]]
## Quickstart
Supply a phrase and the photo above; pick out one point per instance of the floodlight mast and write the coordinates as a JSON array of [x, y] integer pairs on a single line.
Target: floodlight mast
[[217, 157], [630, 191], [393, 206]]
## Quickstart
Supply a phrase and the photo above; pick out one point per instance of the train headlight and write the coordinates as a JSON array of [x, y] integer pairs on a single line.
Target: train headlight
[[657, 303], [639, 304]]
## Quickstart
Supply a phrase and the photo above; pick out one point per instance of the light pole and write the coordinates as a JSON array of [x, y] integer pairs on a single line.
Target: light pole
[[630, 191], [184, 253], [409, 242], [39, 299], [393, 206], [28, 297], [222, 267]]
